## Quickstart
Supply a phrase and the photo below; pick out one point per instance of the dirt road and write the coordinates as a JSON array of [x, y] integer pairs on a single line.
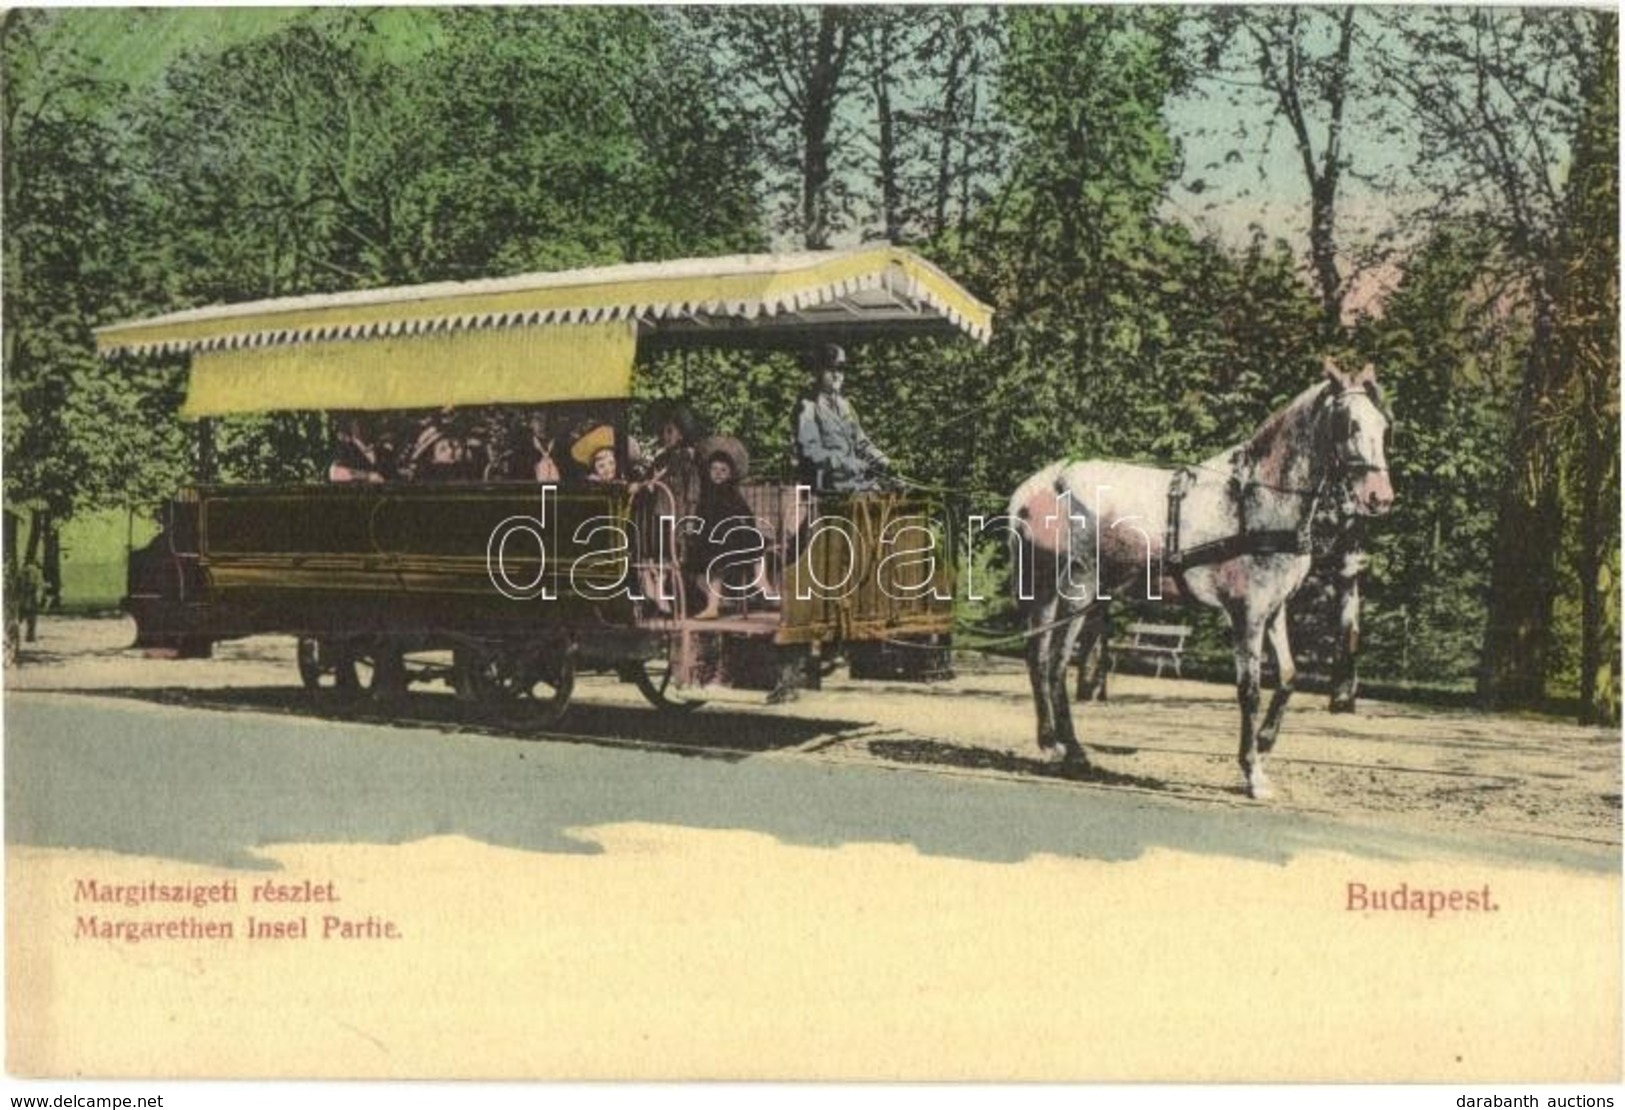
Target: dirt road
[[1399, 766]]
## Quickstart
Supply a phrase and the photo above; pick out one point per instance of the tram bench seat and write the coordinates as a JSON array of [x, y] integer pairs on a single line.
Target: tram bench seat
[[1163, 643]]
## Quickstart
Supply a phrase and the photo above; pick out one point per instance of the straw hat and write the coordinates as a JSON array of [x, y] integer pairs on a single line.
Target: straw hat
[[598, 439], [728, 446]]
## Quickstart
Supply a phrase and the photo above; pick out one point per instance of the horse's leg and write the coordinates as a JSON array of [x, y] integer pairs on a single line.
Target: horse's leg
[[1091, 655], [1345, 663], [1249, 638], [1288, 672], [1040, 632], [1060, 656]]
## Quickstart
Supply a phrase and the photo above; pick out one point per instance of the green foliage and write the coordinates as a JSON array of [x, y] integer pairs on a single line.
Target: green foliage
[[748, 395], [1450, 358], [559, 137], [1071, 249], [1122, 335], [77, 432]]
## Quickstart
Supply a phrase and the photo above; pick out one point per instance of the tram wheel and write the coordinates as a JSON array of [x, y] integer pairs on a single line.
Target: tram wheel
[[380, 669], [525, 688], [653, 678], [326, 669], [348, 670]]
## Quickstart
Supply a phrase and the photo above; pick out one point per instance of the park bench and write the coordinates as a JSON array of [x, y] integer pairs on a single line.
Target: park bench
[[1164, 643]]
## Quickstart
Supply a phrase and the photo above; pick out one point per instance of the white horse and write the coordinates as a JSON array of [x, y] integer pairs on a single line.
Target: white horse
[[1231, 532]]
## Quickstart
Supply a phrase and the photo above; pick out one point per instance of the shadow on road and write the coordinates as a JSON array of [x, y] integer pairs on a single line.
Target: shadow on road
[[214, 788], [698, 733], [934, 753]]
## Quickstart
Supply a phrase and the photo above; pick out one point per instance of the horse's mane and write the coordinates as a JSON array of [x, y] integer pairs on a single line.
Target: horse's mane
[[1272, 428]]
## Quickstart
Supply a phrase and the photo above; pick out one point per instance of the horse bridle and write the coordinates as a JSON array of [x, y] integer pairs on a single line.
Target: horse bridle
[[1341, 467], [1243, 480]]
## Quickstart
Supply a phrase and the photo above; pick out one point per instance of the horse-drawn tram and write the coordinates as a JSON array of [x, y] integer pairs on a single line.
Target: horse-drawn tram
[[489, 520]]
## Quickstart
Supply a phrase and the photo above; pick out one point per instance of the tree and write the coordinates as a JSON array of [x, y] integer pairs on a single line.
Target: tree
[[1587, 327], [78, 433], [1450, 353], [791, 68], [961, 49], [558, 137], [1302, 58], [1072, 246], [1495, 97], [274, 165]]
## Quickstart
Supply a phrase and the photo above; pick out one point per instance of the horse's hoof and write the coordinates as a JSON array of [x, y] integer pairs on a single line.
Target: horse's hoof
[[1052, 753], [1258, 787]]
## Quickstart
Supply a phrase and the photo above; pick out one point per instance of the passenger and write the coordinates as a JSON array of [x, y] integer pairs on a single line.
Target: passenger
[[674, 465], [720, 501], [530, 452], [833, 455], [428, 443], [442, 452], [386, 449], [355, 459], [596, 452], [605, 467], [543, 447], [665, 490]]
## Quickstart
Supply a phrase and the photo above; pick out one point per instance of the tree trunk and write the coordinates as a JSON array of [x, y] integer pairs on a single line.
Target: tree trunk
[[1280, 65], [13, 549], [207, 464], [52, 566], [947, 124], [1597, 561], [1590, 315], [816, 122], [1591, 610], [1523, 581], [36, 534], [891, 199]]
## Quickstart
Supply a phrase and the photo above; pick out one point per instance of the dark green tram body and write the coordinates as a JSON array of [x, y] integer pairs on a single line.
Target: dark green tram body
[[435, 567]]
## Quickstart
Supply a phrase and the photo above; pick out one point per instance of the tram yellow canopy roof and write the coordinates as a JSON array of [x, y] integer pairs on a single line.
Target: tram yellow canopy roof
[[570, 335]]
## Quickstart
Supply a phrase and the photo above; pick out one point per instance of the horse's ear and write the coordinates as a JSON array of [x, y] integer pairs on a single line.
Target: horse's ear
[[1334, 375], [1367, 374]]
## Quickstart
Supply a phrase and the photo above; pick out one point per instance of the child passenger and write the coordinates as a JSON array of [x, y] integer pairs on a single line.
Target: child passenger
[[596, 452], [720, 503]]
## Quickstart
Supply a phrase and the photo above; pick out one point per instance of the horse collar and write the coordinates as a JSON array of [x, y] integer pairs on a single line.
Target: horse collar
[[1244, 541]]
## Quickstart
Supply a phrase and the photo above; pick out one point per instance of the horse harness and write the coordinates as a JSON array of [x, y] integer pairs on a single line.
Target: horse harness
[[1274, 541], [1176, 560]]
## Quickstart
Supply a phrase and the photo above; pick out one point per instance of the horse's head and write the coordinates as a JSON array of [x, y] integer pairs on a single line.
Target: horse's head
[[1358, 430]]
